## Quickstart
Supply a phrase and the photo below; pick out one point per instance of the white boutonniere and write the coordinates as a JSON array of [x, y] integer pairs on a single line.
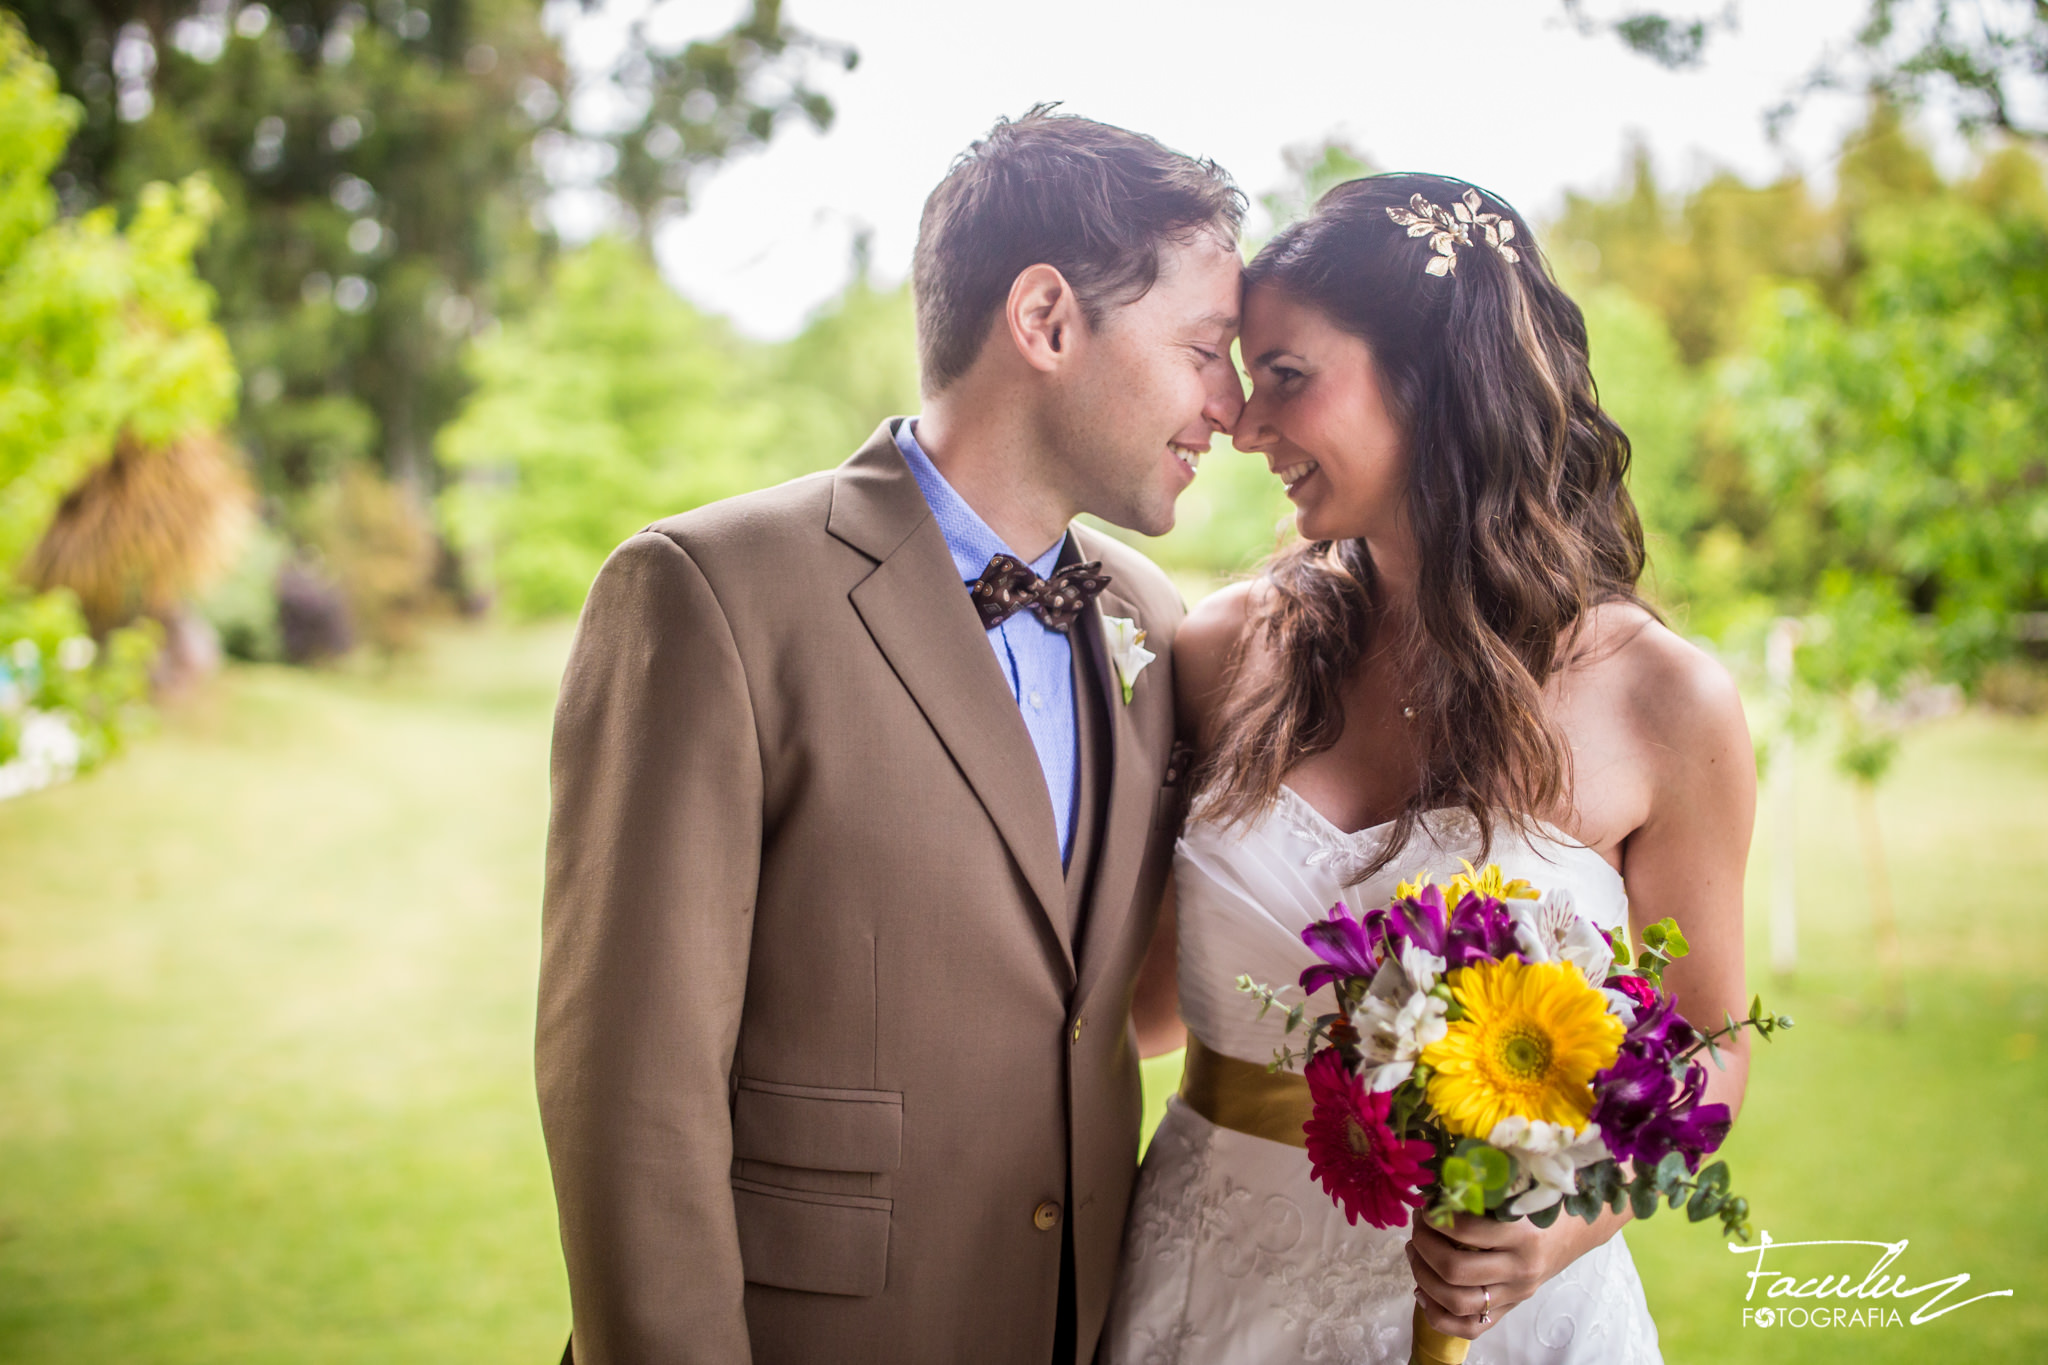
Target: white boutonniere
[[1127, 652]]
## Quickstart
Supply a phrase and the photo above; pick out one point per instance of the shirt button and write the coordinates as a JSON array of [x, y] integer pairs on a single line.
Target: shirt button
[[1037, 700], [1046, 1216]]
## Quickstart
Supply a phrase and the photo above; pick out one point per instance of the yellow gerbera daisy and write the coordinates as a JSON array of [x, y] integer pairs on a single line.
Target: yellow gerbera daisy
[[1530, 1041], [1487, 881]]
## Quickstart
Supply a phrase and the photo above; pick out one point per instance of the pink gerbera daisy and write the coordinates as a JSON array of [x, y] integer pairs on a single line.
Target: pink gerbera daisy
[[1362, 1165]]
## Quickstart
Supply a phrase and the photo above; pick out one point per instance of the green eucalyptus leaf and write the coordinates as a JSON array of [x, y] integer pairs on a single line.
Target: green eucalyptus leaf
[[1666, 937], [1490, 1167]]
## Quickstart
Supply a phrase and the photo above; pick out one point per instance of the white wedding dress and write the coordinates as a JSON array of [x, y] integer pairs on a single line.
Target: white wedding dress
[[1233, 1255]]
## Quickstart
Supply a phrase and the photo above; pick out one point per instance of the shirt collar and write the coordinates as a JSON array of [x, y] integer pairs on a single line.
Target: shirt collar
[[968, 537]]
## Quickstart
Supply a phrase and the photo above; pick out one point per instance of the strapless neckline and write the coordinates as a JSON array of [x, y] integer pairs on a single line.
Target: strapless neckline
[[1442, 821]]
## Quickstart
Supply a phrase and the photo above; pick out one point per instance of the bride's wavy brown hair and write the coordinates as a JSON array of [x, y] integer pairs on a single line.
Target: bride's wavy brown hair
[[1516, 496]]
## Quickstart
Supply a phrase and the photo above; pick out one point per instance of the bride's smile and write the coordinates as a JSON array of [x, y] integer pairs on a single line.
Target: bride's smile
[[1318, 414]]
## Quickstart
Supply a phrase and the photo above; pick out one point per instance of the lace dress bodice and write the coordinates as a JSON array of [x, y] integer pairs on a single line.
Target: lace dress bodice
[[1245, 895]]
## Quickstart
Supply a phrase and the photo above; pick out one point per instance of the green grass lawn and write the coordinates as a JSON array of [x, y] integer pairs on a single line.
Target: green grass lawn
[[266, 1012], [266, 1027]]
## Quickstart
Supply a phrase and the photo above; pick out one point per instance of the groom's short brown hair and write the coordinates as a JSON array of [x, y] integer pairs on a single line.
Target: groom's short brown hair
[[1093, 201]]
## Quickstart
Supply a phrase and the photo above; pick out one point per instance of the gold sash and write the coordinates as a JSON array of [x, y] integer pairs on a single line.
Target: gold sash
[[1233, 1093]]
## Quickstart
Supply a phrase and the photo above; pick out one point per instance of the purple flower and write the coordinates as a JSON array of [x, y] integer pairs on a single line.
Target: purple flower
[[1629, 1094], [1421, 920], [1379, 929], [1643, 1112], [1696, 1132], [1345, 947], [1480, 930], [1660, 1032]]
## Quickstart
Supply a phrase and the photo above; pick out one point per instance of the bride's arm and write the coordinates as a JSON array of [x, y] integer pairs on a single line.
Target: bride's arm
[[1202, 655], [1685, 860], [1155, 1007]]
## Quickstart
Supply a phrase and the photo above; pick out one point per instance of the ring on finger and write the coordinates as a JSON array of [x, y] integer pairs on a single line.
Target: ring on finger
[[1486, 1312]]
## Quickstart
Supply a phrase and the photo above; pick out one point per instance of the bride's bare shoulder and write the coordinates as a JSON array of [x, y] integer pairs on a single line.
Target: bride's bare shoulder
[[1668, 688], [1207, 647]]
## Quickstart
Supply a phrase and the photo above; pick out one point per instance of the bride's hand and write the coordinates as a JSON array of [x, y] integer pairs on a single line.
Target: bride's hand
[[1486, 1267]]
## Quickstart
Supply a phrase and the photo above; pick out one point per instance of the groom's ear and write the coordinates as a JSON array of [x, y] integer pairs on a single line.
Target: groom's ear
[[1043, 316]]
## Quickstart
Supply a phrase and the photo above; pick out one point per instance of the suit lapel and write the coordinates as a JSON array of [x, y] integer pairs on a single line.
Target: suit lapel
[[1131, 793], [925, 624]]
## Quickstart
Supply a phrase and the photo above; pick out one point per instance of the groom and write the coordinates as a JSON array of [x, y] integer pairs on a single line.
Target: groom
[[863, 799]]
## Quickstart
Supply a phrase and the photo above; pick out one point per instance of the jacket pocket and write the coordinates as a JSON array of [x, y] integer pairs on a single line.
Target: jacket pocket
[[817, 1243], [817, 1128]]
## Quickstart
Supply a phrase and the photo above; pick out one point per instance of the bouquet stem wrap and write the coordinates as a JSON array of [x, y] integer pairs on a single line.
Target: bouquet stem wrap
[[1433, 1347]]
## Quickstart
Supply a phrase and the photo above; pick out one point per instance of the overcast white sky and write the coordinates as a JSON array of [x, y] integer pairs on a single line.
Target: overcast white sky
[[1501, 92]]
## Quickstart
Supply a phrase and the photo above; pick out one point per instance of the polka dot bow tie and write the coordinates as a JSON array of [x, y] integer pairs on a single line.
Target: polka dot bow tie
[[1008, 584]]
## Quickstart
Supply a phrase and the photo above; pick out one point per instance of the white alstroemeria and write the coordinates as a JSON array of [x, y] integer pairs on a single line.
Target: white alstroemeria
[[1552, 930], [1127, 652], [1549, 1154], [1399, 1017], [1620, 1006]]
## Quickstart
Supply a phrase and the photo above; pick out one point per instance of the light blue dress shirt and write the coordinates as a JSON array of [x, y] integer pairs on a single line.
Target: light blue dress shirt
[[1037, 660]]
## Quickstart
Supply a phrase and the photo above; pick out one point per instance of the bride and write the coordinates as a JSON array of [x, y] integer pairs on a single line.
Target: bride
[[1453, 663]]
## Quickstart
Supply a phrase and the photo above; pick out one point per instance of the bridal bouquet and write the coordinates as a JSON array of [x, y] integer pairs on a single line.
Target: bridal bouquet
[[1493, 1053]]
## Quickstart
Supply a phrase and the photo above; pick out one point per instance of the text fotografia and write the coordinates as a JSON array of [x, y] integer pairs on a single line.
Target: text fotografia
[[1876, 1297]]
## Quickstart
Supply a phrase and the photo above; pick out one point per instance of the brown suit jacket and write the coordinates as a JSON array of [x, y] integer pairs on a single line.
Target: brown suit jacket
[[818, 1065]]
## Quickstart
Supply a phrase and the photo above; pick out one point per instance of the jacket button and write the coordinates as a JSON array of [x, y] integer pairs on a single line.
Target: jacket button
[[1046, 1216]]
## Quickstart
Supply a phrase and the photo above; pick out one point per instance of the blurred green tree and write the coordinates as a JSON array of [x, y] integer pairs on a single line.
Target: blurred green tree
[[1898, 444], [1864, 395], [1828, 318], [376, 194], [105, 344], [105, 332], [1984, 62], [1695, 258], [689, 109], [614, 402], [383, 167]]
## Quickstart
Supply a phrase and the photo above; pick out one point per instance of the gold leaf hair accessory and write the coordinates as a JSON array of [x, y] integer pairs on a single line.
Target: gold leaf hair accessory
[[1447, 231]]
